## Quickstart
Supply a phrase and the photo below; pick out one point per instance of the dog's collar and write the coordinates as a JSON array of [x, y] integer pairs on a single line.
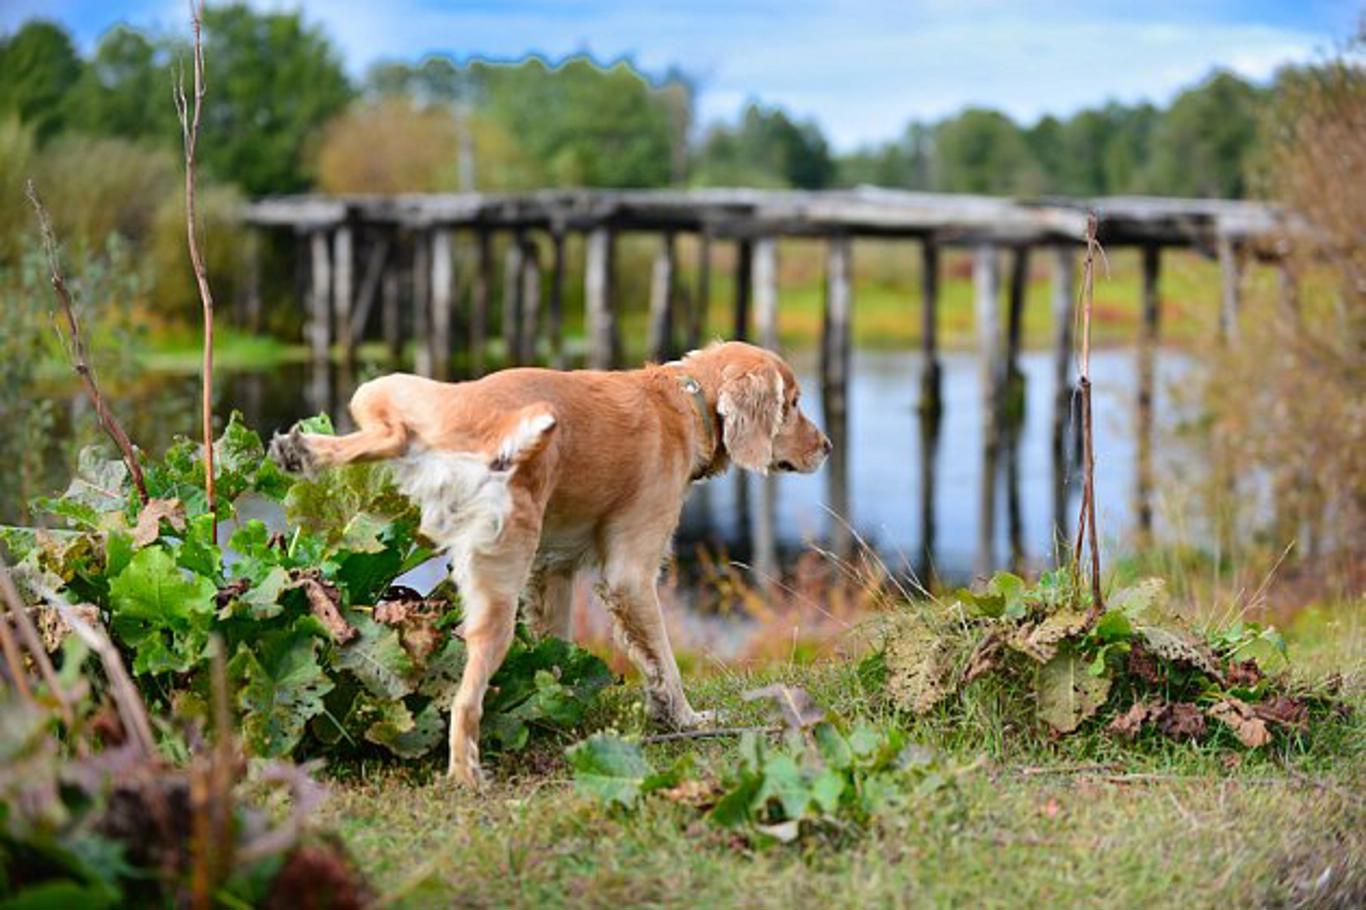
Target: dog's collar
[[713, 438]]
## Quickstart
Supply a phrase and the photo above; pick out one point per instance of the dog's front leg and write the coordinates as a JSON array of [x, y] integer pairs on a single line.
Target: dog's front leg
[[638, 625]]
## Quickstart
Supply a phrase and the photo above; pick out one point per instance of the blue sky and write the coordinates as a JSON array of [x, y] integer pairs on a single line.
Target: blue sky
[[860, 68]]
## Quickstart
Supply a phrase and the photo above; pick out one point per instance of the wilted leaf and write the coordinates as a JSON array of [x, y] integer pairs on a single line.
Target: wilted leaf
[[1239, 717], [1182, 721], [101, 485], [919, 663], [1285, 710], [1244, 674], [1041, 641], [148, 527], [1130, 723], [1066, 693], [1139, 601], [795, 706], [324, 600], [1177, 647], [162, 611]]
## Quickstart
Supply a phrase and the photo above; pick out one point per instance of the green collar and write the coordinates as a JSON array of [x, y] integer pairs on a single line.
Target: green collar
[[699, 403]]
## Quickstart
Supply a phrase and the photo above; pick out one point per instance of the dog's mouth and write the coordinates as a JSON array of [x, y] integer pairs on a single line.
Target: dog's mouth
[[787, 466]]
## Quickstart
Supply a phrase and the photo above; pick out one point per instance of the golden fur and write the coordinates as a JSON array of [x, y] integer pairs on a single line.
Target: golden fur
[[528, 477]]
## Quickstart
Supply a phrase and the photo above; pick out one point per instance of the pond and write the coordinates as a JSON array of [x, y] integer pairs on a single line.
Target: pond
[[884, 451]]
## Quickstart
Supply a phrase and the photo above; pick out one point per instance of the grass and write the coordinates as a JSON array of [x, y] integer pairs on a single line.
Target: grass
[[1034, 824]]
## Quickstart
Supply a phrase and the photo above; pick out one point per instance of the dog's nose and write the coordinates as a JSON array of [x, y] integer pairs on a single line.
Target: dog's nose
[[827, 446]]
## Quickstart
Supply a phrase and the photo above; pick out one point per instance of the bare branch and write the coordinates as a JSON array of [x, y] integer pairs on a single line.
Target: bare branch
[[189, 127], [75, 346], [1086, 522]]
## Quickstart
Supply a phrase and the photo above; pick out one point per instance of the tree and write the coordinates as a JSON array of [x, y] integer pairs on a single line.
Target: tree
[[983, 151], [1206, 139], [40, 69], [125, 89], [275, 82], [766, 148]]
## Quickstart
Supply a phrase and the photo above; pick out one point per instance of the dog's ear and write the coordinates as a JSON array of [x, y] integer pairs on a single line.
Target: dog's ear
[[751, 409]]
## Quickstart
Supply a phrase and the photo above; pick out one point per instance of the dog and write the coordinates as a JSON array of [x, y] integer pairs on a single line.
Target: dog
[[528, 477]]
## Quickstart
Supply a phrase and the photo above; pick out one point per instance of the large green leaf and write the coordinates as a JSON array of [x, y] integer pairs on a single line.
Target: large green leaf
[[1066, 693], [162, 611], [376, 658], [101, 486], [283, 688], [610, 769]]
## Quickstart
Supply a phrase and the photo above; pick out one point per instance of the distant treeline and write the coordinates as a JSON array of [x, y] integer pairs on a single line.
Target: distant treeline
[[283, 116]]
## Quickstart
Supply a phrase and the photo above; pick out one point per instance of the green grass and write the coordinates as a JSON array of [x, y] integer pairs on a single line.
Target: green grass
[[1034, 823]]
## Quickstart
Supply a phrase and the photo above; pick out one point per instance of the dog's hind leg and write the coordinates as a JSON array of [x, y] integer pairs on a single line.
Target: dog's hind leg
[[550, 602], [381, 434]]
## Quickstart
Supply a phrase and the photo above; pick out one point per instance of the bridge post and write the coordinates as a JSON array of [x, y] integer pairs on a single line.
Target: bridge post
[[555, 308], [1231, 289], [320, 291], [1012, 401], [422, 302], [512, 297], [1064, 275], [744, 255], [529, 324], [1143, 411], [480, 291], [986, 281], [369, 287], [342, 290], [835, 344], [931, 406], [660, 341], [765, 539], [602, 330], [443, 273], [697, 315]]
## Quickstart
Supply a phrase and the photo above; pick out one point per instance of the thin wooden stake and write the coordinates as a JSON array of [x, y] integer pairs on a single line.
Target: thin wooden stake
[[1086, 521], [189, 127]]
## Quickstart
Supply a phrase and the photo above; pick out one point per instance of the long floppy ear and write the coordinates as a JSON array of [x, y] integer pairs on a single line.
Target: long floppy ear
[[751, 409]]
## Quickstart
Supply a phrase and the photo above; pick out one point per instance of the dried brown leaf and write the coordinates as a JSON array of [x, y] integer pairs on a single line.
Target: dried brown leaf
[[1182, 721], [148, 528], [1244, 674], [985, 657], [1041, 641], [325, 601], [1131, 722], [1285, 710], [1238, 716]]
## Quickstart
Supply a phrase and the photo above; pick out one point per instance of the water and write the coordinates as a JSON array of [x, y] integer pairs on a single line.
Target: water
[[884, 450]]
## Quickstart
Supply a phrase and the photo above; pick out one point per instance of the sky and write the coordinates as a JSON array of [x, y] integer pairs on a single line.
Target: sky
[[862, 69]]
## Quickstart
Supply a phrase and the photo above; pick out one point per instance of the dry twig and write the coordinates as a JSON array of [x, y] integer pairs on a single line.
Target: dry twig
[[1086, 522], [75, 347], [189, 127], [708, 733]]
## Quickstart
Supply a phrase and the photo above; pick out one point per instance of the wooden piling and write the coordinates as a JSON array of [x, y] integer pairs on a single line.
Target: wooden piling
[[601, 321], [480, 292], [1231, 286], [1012, 399], [931, 407], [320, 289], [370, 281], [528, 323], [1064, 276], [764, 542], [1143, 405], [253, 303], [422, 303], [512, 298], [835, 349], [660, 340], [391, 314], [744, 275], [343, 290], [701, 304], [555, 305], [986, 282], [443, 277]]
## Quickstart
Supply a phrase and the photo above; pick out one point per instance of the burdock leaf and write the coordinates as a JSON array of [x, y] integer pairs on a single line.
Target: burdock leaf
[[376, 658], [283, 688], [919, 663], [162, 611], [609, 769], [1177, 647], [1041, 642], [1066, 693]]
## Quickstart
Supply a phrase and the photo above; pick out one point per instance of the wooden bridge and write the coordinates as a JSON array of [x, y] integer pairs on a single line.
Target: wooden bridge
[[397, 253]]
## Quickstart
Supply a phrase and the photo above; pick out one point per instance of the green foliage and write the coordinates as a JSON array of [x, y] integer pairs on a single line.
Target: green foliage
[[766, 149], [614, 770], [40, 64], [317, 667]]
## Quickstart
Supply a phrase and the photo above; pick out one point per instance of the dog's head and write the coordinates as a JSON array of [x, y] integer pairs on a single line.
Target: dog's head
[[762, 424]]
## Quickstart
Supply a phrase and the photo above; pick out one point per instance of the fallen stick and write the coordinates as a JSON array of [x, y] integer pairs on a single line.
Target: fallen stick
[[707, 733]]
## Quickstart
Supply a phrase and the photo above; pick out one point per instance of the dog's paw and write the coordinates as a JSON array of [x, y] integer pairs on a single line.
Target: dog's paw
[[290, 451]]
